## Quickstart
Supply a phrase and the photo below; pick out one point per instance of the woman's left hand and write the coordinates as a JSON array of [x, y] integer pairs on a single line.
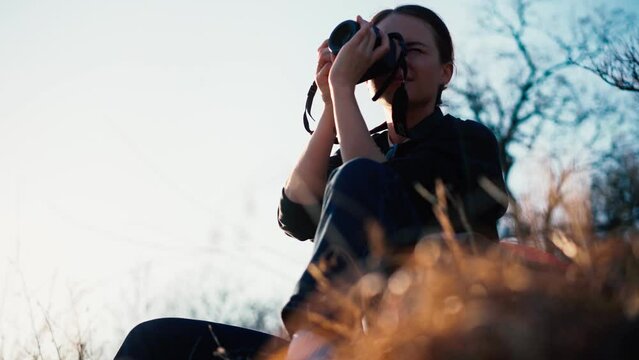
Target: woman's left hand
[[357, 56]]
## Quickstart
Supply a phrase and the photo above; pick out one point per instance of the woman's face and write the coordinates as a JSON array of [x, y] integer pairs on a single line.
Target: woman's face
[[425, 71]]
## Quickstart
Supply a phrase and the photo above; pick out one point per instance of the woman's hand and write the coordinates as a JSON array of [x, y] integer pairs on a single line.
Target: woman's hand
[[357, 56], [324, 62]]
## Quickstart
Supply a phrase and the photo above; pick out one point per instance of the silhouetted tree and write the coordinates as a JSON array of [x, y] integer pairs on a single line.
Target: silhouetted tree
[[607, 44], [615, 190], [530, 88]]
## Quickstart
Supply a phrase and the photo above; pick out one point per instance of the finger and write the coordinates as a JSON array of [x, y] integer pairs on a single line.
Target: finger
[[361, 34], [362, 38], [368, 26], [383, 47], [361, 21], [321, 78], [371, 38], [324, 70], [324, 59], [324, 45], [324, 54]]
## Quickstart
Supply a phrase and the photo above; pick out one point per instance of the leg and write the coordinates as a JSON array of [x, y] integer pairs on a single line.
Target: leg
[[175, 338], [358, 192]]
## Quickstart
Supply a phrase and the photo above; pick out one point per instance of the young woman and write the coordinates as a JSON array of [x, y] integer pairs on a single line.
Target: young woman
[[333, 200], [369, 183]]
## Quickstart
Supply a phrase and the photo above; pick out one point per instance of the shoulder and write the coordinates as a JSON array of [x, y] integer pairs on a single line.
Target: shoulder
[[473, 129]]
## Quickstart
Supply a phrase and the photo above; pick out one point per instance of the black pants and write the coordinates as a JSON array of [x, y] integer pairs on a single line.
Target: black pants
[[176, 339]]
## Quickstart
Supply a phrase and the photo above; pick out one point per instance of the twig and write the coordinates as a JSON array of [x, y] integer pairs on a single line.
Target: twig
[[219, 350], [48, 323]]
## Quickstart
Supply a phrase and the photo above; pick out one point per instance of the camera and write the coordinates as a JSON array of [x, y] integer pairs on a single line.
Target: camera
[[346, 30], [393, 60]]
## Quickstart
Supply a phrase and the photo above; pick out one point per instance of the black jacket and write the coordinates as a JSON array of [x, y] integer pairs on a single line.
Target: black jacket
[[459, 152]]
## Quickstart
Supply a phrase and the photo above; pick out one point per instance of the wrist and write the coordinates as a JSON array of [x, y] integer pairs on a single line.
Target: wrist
[[328, 111], [327, 120], [340, 84], [339, 90]]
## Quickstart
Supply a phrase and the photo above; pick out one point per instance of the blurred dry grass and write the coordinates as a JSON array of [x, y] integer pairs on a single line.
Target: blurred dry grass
[[511, 301], [500, 306]]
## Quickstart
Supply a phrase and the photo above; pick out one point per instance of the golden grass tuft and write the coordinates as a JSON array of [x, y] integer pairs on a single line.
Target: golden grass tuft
[[498, 306], [507, 302]]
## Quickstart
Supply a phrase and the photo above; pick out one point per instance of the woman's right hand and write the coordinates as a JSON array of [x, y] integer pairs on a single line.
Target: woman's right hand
[[324, 63]]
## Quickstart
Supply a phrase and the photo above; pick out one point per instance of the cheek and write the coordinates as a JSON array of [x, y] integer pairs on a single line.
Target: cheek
[[427, 76], [427, 79], [423, 64]]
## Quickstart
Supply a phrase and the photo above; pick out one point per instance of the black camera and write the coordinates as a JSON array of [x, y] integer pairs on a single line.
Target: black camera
[[393, 60], [346, 30]]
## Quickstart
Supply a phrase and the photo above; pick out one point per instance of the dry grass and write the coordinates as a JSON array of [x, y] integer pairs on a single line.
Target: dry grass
[[449, 302], [498, 306]]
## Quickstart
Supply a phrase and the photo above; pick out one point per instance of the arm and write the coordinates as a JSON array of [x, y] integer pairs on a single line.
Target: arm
[[354, 58], [352, 132], [299, 209], [303, 191], [299, 206], [306, 183]]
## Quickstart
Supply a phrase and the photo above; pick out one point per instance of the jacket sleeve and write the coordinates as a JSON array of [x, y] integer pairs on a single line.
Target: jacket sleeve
[[300, 221], [483, 160]]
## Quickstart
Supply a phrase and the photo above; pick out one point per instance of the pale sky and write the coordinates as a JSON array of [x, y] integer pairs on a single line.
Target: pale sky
[[150, 140]]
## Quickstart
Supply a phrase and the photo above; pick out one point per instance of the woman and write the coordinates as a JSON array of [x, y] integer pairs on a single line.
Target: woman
[[371, 181], [333, 200]]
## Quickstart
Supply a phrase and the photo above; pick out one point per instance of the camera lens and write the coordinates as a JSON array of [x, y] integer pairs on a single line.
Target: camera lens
[[346, 30], [341, 34]]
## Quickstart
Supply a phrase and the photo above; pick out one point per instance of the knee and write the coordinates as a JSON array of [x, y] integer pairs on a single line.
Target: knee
[[135, 344], [360, 164], [137, 334], [149, 328], [357, 170]]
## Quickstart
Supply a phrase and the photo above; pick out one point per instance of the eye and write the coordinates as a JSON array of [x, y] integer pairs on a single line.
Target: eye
[[416, 50]]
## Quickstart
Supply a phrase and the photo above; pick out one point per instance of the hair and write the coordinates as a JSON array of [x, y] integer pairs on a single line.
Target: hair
[[442, 36]]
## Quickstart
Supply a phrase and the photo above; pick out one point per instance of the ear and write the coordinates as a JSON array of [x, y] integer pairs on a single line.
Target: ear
[[447, 73]]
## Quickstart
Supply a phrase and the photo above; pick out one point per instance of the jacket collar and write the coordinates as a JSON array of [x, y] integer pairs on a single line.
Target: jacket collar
[[427, 126]]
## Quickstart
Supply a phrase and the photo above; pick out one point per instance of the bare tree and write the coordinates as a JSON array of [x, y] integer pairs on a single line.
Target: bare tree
[[559, 205], [607, 44], [615, 190], [536, 92]]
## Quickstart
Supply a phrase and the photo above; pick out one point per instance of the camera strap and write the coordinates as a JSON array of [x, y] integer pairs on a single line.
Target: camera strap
[[309, 104], [400, 98]]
